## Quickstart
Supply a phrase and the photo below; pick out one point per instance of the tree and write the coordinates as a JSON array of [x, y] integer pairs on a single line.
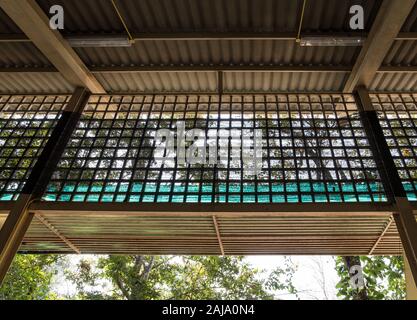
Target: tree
[[136, 277], [30, 278], [383, 277]]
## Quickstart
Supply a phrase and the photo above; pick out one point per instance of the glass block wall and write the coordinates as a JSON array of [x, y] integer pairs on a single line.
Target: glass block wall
[[314, 149], [398, 118], [26, 122]]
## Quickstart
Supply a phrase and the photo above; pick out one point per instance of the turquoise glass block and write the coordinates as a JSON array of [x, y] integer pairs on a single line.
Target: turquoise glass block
[[206, 198], [408, 186], [179, 188], [278, 198], [177, 198], [68, 187], [376, 187], [148, 198], [120, 198], [347, 187], [78, 197], [108, 198], [333, 187], [93, 198], [305, 187], [319, 187], [335, 198], [277, 187], [306, 198], [234, 199], [137, 187], [249, 199], [248, 188], [320, 198], [150, 187], [263, 188], [6, 197], [221, 187], [49, 197], [110, 187], [411, 196], [349, 198], [365, 198], [234, 187], [291, 187], [192, 199], [193, 187], [64, 197], [165, 187], [124, 187], [96, 188], [380, 197], [292, 198], [134, 198], [362, 187], [221, 198], [163, 199], [263, 198], [207, 188]]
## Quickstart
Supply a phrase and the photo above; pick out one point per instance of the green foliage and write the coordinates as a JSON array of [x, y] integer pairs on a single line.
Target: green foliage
[[384, 278], [180, 277], [29, 278]]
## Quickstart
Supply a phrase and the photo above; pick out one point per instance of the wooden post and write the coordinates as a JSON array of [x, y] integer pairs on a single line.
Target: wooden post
[[19, 218], [410, 283]]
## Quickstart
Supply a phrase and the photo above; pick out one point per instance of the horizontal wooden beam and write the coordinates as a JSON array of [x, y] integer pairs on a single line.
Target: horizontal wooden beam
[[207, 209]]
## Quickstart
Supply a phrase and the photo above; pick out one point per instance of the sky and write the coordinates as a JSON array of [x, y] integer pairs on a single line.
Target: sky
[[315, 277]]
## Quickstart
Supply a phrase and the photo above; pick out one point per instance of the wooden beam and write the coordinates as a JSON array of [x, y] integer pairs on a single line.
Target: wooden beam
[[384, 30], [30, 18], [54, 230], [219, 238], [410, 284], [207, 209], [391, 219]]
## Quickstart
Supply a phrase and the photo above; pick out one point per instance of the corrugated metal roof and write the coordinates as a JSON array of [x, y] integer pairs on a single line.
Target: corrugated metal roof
[[410, 24], [159, 81], [209, 15], [394, 82], [206, 52], [31, 82], [98, 16], [232, 81], [19, 54], [402, 52], [282, 81], [7, 25]]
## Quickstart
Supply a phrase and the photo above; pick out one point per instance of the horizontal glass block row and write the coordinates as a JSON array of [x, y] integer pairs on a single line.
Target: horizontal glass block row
[[26, 123], [398, 118], [314, 149]]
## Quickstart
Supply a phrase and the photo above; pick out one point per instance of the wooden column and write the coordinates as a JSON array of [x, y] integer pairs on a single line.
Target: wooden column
[[403, 215], [410, 283], [19, 218]]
